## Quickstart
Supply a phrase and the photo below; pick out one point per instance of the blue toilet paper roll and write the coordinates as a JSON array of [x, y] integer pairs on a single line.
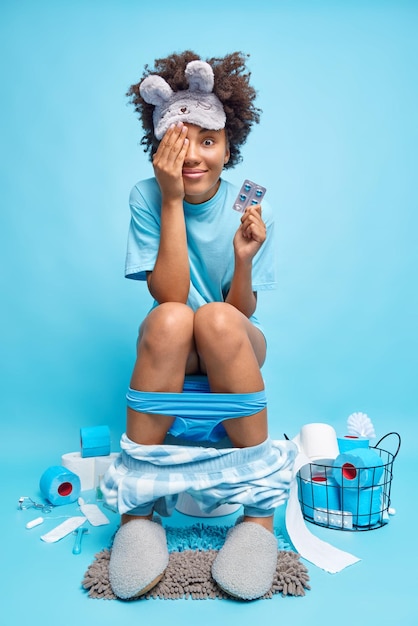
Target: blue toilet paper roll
[[59, 485], [365, 505], [351, 442], [95, 441], [359, 468], [319, 493]]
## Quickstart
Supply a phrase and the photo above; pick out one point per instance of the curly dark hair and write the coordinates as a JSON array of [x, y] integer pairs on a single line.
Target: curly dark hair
[[232, 86]]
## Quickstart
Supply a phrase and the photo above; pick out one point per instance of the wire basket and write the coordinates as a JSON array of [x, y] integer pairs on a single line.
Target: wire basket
[[347, 496]]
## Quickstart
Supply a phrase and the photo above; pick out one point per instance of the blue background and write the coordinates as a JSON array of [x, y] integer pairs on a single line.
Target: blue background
[[336, 148]]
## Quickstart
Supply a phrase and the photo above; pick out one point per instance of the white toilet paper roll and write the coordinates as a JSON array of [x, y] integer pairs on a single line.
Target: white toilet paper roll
[[88, 469], [317, 441], [83, 467], [102, 463]]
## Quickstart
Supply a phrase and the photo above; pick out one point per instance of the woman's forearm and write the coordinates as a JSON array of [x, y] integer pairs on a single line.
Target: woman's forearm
[[170, 279], [240, 294]]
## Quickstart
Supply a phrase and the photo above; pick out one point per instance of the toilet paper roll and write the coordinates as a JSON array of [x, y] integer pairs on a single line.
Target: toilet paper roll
[[89, 469], [319, 493], [101, 465], [364, 504], [359, 468], [308, 545], [60, 486], [95, 441], [351, 442], [321, 467], [83, 467], [317, 441]]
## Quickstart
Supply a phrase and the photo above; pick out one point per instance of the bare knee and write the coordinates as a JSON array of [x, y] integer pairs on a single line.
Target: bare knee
[[168, 327], [225, 338], [219, 325]]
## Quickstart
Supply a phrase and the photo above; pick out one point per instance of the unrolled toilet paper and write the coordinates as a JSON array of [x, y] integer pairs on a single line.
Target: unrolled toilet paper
[[309, 546]]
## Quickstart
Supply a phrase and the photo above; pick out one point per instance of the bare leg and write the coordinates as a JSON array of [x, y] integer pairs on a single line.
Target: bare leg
[[165, 350], [164, 345], [139, 554], [220, 341], [233, 351]]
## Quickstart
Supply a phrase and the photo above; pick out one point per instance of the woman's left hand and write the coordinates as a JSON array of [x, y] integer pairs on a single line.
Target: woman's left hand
[[251, 234]]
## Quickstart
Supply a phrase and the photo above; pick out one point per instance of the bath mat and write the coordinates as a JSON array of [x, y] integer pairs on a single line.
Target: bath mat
[[188, 575]]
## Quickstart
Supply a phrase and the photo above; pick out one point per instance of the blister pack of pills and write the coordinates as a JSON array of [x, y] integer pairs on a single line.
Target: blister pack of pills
[[249, 194]]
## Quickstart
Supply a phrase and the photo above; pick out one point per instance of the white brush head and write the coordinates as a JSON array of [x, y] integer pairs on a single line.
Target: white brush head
[[360, 425]]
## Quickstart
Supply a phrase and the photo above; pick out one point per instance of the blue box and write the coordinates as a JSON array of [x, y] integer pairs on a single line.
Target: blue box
[[95, 441]]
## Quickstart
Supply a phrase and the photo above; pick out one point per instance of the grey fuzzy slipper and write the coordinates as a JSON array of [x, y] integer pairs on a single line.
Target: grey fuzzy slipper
[[139, 558], [246, 564]]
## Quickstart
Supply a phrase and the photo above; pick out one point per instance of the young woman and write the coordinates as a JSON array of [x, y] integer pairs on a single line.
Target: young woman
[[204, 263]]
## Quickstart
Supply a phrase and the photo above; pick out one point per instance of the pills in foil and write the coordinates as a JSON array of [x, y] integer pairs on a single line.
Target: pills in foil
[[249, 194]]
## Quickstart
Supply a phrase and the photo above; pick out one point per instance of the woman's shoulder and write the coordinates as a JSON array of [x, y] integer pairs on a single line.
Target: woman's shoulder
[[145, 195], [145, 187]]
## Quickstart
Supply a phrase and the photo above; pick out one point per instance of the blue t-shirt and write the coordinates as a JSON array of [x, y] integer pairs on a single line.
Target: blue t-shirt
[[210, 228]]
